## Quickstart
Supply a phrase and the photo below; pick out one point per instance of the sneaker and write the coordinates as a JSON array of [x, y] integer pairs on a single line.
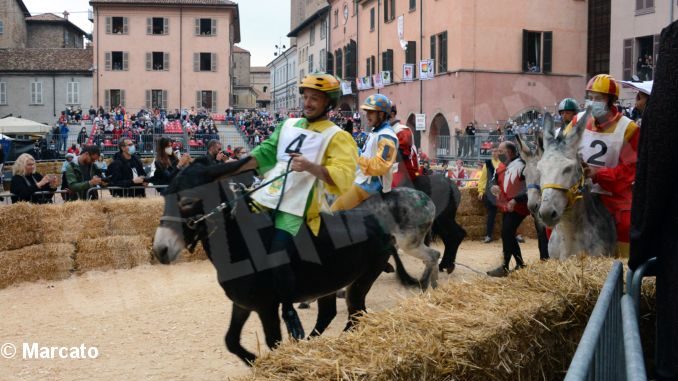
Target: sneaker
[[487, 239], [293, 324], [499, 272], [520, 238]]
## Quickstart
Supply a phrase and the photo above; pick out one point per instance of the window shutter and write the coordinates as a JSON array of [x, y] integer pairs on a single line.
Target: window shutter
[[125, 61], [39, 92], [650, 3], [76, 92], [165, 25], [433, 47], [164, 99], [198, 99], [374, 65], [125, 30], [214, 61], [109, 24], [640, 4], [69, 92], [548, 52], [107, 99], [525, 50], [165, 61], [214, 27], [214, 101], [384, 60], [367, 67], [149, 100], [107, 61], [122, 98], [330, 63], [628, 59], [196, 61], [149, 61], [149, 25], [197, 27]]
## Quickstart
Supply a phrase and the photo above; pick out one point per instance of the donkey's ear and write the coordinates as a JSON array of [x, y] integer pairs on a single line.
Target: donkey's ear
[[573, 137], [549, 130], [522, 145], [540, 143]]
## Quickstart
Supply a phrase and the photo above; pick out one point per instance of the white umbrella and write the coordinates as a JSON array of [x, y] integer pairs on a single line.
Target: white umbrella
[[644, 87], [20, 126]]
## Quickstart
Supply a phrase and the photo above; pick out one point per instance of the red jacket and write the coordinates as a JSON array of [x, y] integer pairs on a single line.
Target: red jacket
[[408, 163], [511, 184]]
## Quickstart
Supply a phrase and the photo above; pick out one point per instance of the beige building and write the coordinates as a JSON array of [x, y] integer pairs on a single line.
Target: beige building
[[244, 96], [260, 80], [300, 10], [13, 29], [284, 90], [164, 53], [312, 42], [492, 60], [635, 29]]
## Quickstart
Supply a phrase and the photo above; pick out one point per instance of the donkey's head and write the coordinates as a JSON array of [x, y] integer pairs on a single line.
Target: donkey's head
[[560, 169], [531, 153]]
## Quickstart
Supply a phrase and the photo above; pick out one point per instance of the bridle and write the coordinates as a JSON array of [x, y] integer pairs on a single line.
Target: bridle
[[573, 193]]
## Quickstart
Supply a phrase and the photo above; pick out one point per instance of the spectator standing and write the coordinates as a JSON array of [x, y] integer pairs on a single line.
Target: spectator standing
[[486, 196], [82, 137], [63, 137], [127, 171], [511, 192], [458, 172], [26, 181], [470, 136]]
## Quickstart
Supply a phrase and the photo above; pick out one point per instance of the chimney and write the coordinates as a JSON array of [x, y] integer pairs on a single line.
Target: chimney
[[66, 15]]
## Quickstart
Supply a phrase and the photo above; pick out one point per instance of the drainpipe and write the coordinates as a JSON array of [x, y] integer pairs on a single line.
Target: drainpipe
[[53, 94], [357, 61]]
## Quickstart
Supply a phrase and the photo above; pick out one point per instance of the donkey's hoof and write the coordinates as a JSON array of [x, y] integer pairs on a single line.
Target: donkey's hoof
[[304, 305], [446, 268]]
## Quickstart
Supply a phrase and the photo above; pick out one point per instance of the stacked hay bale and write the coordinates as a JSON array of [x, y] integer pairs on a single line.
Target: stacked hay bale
[[52, 241], [471, 215], [524, 327]]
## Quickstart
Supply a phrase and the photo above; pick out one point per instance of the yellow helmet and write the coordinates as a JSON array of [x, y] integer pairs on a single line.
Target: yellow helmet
[[327, 83], [604, 84]]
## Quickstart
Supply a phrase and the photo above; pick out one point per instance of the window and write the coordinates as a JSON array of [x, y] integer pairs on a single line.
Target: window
[[312, 38], [413, 5], [411, 55], [114, 97], [644, 7], [355, 7], [372, 19], [310, 63], [2, 27], [73, 93], [641, 52], [36, 93], [204, 62], [207, 99], [442, 52], [156, 99], [330, 63], [323, 29], [339, 68], [321, 58], [598, 45], [116, 61], [157, 25], [351, 59], [336, 18], [157, 61], [3, 93], [537, 51], [205, 27], [116, 25], [387, 60], [389, 10], [370, 66]]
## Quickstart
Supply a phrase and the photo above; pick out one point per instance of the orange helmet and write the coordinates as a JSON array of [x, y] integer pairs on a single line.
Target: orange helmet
[[327, 83], [604, 84]]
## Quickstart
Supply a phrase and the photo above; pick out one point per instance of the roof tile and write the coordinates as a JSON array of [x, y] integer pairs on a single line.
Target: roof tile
[[42, 60]]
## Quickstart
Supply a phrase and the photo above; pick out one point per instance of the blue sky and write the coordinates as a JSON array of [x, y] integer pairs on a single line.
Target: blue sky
[[263, 23]]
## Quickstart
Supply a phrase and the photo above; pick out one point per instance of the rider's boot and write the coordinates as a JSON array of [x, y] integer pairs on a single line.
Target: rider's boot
[[502, 270], [519, 262]]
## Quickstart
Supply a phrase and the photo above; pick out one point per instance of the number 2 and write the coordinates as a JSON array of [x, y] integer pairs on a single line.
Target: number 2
[[299, 140], [603, 150]]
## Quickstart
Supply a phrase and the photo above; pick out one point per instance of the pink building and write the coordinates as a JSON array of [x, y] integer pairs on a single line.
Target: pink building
[[164, 53], [493, 60]]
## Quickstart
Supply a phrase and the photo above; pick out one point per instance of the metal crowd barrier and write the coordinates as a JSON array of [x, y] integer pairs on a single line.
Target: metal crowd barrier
[[126, 191]]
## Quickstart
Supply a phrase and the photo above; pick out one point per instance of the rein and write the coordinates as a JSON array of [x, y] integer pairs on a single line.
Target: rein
[[573, 193]]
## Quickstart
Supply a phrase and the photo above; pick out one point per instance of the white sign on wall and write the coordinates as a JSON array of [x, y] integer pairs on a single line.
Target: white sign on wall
[[420, 122]]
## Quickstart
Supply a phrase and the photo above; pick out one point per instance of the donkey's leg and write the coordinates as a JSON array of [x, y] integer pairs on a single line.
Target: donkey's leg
[[239, 316], [357, 291], [327, 310], [270, 319], [452, 236], [430, 258]]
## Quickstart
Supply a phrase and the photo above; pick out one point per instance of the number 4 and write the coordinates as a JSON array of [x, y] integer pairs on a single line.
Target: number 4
[[299, 141]]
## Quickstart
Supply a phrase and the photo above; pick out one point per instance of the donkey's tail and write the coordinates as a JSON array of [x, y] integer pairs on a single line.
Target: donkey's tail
[[403, 276]]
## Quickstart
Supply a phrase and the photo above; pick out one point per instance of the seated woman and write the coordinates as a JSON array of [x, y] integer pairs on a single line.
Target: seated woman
[[166, 165], [25, 182]]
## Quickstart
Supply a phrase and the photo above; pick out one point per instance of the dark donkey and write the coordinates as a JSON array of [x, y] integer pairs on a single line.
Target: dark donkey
[[351, 249]]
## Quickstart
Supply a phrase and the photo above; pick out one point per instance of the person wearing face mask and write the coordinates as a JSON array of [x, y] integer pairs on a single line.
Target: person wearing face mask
[[511, 193], [127, 171], [82, 174], [609, 149], [166, 165]]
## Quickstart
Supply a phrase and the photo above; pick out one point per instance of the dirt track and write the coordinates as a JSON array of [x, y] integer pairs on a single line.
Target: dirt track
[[162, 322]]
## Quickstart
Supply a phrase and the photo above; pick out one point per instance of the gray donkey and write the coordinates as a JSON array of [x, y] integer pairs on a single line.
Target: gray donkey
[[582, 224]]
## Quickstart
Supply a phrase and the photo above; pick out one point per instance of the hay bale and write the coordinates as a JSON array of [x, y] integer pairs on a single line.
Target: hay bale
[[527, 228], [32, 263], [18, 223], [128, 216], [465, 221], [71, 222], [198, 254], [524, 327], [114, 252], [470, 205]]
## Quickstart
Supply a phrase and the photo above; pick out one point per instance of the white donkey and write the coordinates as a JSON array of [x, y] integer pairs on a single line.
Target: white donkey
[[582, 224]]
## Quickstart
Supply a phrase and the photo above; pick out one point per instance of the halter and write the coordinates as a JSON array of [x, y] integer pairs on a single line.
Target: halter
[[573, 193]]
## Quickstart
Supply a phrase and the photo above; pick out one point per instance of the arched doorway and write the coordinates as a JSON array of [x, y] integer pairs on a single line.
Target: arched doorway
[[439, 138], [411, 123]]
